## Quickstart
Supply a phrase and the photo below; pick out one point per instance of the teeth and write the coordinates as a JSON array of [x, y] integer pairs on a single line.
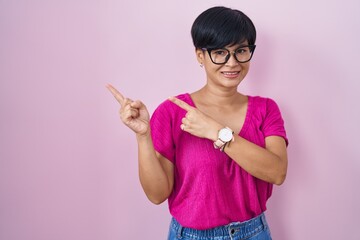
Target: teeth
[[230, 73]]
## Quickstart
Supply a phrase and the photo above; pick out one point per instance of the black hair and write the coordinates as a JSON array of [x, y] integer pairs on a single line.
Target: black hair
[[218, 27]]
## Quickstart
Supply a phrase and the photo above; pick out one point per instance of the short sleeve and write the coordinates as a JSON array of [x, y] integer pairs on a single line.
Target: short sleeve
[[161, 131], [273, 124]]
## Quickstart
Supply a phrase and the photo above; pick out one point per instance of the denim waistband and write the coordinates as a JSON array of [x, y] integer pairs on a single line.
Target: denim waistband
[[233, 230]]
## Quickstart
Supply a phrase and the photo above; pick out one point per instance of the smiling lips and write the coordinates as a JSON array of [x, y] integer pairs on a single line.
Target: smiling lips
[[231, 74]]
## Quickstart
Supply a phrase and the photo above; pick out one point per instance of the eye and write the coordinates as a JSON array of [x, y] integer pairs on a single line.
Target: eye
[[220, 52], [242, 51]]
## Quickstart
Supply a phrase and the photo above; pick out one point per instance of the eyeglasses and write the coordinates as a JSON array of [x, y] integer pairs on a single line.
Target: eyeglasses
[[222, 55]]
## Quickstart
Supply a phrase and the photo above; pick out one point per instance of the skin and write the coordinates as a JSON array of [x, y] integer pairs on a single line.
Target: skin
[[219, 99]]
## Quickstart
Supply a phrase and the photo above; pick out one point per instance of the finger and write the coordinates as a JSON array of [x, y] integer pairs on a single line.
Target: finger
[[134, 113], [129, 114], [127, 101], [185, 121], [181, 103], [126, 108], [189, 116], [137, 104], [118, 96]]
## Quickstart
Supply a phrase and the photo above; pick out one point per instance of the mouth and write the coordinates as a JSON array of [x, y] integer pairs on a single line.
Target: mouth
[[231, 74]]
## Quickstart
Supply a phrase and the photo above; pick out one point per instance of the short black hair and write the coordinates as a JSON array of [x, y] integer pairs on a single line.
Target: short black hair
[[218, 27]]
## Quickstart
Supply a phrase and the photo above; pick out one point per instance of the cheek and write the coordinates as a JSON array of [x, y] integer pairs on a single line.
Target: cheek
[[245, 68], [212, 68]]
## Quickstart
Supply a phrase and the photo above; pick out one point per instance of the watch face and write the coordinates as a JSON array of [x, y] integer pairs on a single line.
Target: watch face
[[225, 135]]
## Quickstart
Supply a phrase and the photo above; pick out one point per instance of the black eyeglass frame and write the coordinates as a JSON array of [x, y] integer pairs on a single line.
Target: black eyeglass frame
[[251, 47]]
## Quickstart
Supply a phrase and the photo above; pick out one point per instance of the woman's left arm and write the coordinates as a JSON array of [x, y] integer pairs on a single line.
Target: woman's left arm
[[268, 164]]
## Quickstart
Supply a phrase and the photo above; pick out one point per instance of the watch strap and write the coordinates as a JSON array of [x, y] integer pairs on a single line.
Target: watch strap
[[218, 143]]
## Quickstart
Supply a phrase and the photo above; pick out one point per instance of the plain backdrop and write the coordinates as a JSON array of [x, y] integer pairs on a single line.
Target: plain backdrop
[[68, 167]]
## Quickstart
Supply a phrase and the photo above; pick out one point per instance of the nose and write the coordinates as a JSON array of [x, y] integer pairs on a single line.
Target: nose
[[232, 60]]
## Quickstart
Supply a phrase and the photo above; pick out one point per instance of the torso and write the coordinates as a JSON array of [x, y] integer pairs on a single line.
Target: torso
[[211, 189]]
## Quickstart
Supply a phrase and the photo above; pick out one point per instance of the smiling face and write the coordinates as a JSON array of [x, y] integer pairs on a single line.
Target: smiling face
[[227, 75]]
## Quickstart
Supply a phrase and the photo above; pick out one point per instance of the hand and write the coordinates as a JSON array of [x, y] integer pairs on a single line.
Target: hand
[[197, 123], [132, 113]]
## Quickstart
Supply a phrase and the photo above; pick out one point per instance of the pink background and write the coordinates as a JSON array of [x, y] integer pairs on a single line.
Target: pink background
[[68, 167]]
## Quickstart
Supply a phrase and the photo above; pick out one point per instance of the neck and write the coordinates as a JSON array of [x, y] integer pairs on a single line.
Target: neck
[[219, 97]]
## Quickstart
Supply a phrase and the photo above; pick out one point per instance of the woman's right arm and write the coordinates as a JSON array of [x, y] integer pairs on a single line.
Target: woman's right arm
[[156, 173]]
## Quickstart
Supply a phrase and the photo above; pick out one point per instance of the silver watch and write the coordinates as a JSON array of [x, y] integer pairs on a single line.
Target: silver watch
[[225, 135]]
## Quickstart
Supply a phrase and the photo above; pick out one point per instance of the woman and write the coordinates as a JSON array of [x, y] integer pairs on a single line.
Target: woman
[[215, 153]]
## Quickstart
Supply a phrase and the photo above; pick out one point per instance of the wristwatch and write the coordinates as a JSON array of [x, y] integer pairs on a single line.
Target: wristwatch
[[225, 135]]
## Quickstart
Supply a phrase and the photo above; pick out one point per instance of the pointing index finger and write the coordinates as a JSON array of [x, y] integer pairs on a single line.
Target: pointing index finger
[[118, 96], [181, 103]]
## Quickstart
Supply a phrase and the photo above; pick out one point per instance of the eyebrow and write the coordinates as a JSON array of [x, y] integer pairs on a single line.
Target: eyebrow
[[240, 46]]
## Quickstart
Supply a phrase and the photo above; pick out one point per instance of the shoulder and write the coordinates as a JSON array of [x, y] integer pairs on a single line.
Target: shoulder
[[262, 102], [184, 97], [263, 106]]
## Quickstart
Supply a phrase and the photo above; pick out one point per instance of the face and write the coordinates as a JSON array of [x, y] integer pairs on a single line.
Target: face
[[229, 74]]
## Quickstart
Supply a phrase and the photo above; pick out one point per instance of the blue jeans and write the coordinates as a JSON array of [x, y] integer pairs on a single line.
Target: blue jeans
[[253, 229]]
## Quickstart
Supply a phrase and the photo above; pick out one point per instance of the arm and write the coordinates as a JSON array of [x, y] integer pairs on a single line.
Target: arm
[[156, 173], [268, 164]]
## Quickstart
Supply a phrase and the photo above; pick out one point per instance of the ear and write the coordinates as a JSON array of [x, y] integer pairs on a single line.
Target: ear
[[200, 55]]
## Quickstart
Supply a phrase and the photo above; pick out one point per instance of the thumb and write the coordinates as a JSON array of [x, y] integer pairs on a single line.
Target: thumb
[[138, 104]]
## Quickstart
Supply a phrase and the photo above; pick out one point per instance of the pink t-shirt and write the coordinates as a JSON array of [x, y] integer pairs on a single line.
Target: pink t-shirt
[[210, 188]]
